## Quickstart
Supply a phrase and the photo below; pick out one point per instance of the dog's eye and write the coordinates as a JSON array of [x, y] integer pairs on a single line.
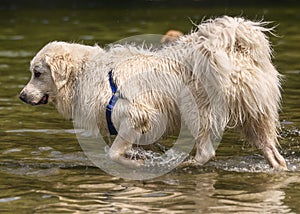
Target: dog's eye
[[37, 74]]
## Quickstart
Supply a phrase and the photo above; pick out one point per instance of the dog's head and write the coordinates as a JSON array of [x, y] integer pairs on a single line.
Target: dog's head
[[52, 75], [50, 71]]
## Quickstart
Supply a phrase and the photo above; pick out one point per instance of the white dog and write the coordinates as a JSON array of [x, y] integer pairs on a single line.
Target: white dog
[[225, 64]]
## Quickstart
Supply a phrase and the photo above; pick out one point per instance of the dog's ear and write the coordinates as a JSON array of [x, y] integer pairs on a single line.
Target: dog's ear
[[61, 68]]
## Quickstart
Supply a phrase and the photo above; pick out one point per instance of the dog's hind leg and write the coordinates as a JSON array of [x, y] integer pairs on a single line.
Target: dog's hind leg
[[118, 150], [273, 156], [263, 134], [204, 143]]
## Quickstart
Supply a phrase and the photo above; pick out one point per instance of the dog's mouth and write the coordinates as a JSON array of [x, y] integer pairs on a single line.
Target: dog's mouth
[[24, 97], [44, 100]]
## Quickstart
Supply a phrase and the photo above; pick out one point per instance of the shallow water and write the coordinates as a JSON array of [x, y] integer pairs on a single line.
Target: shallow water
[[43, 168]]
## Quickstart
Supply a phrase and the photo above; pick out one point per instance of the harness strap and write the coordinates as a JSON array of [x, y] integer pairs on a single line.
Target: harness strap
[[112, 84], [111, 104]]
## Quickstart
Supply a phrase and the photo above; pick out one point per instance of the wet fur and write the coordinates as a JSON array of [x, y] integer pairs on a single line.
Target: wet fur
[[226, 64]]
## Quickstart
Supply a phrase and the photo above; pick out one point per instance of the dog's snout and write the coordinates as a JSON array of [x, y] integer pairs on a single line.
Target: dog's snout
[[23, 96]]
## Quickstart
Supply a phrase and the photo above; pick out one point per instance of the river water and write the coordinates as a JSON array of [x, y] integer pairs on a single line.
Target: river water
[[43, 168]]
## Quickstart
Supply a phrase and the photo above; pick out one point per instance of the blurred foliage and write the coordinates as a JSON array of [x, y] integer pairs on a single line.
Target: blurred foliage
[[92, 4]]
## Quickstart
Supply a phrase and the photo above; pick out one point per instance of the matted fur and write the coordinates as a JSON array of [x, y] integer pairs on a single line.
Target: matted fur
[[225, 62]]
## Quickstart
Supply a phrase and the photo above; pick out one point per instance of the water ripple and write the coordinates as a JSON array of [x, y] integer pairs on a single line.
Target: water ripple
[[16, 54], [4, 200], [46, 131]]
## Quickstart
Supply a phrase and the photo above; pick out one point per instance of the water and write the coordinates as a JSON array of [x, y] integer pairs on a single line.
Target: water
[[43, 168]]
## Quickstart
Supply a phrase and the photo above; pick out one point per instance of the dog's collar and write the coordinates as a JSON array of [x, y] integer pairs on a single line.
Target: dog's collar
[[111, 104]]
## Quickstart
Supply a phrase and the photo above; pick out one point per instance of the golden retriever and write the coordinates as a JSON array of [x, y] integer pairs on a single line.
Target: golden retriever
[[225, 64]]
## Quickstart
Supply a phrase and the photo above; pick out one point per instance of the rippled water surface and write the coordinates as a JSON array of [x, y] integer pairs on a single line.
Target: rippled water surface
[[43, 168]]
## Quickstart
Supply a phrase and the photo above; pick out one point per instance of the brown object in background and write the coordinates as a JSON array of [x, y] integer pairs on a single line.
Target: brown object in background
[[171, 36]]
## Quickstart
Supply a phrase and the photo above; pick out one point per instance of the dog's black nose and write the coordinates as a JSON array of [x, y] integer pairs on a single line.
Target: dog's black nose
[[23, 96]]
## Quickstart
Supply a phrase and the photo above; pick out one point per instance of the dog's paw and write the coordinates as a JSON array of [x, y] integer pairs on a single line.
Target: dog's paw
[[125, 161], [274, 158]]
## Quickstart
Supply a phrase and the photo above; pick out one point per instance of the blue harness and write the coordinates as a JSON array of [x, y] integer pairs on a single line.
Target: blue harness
[[111, 104]]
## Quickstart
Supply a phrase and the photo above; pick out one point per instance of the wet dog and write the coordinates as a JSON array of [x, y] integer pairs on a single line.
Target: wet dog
[[225, 64]]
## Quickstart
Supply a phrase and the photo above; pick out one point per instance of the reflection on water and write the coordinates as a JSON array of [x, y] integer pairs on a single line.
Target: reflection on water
[[50, 179], [43, 168], [71, 189]]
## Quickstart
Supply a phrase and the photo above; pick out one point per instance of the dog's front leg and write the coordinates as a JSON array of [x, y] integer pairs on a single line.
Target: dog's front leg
[[204, 150], [118, 150]]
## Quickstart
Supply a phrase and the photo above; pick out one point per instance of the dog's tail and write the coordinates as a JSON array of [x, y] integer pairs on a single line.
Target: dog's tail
[[232, 58]]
